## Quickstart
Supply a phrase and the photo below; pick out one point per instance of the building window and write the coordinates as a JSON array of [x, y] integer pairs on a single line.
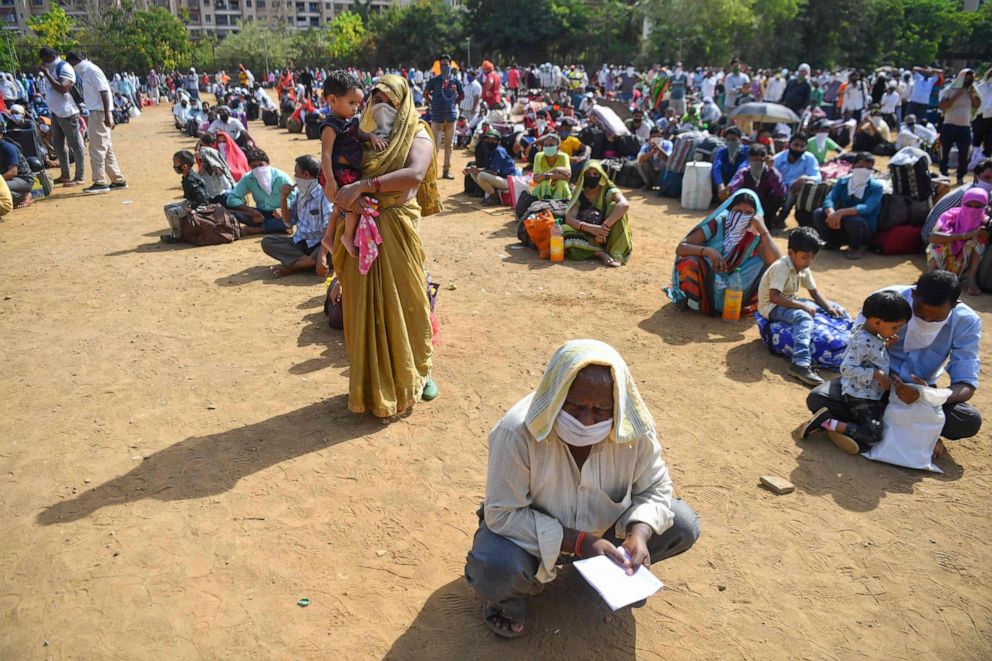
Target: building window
[[289, 19], [261, 4], [221, 19], [234, 4], [248, 3], [300, 6], [210, 19], [314, 21]]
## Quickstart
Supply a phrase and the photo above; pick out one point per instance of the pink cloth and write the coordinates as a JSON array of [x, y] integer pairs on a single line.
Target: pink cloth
[[964, 219], [367, 238]]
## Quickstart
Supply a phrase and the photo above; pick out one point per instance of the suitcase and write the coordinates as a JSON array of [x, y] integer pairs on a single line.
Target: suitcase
[[912, 180], [682, 151], [811, 196], [902, 210], [697, 185], [270, 118], [29, 142], [898, 240]]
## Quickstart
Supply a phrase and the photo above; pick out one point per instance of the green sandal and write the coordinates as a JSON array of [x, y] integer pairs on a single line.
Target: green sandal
[[430, 391]]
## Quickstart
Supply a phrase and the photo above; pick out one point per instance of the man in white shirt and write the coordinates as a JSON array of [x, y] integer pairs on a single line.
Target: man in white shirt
[[982, 126], [58, 78], [230, 125], [776, 86], [97, 97], [923, 82], [733, 85], [890, 103], [473, 92], [957, 101]]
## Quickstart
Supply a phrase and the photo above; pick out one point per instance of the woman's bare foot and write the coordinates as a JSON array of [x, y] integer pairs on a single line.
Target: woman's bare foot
[[606, 260], [970, 289]]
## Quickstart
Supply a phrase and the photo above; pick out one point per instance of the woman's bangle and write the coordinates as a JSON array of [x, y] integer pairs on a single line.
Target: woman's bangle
[[578, 544]]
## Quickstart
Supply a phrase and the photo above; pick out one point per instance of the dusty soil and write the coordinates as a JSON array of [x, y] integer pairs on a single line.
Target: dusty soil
[[179, 468]]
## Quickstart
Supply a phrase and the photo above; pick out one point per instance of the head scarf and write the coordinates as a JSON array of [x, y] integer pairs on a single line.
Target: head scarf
[[487, 66], [606, 186], [959, 81], [631, 418], [393, 157]]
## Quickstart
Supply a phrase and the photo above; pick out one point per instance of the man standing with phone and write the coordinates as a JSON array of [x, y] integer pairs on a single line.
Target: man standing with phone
[[59, 78]]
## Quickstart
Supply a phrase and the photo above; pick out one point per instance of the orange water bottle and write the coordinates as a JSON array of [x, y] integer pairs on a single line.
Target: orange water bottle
[[733, 297], [557, 243]]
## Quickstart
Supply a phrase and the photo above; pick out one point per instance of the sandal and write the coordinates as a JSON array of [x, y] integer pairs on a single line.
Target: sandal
[[490, 609], [430, 392]]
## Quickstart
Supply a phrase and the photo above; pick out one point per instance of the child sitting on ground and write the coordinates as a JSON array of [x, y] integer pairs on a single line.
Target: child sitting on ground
[[864, 374], [341, 146], [777, 299]]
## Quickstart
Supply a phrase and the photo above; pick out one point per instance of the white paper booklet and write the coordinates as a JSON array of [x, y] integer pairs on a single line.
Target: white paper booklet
[[613, 584]]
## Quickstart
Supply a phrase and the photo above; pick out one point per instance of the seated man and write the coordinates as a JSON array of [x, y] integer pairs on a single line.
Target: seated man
[[797, 167], [578, 152], [652, 160], [759, 175], [492, 175], [231, 126], [639, 126], [872, 131], [914, 134], [264, 183], [310, 213], [943, 331], [573, 469], [15, 170], [727, 160], [850, 213]]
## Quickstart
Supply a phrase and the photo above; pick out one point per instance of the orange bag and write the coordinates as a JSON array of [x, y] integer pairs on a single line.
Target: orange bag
[[538, 228]]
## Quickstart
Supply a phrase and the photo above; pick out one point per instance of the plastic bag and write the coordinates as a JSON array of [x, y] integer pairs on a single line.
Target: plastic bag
[[908, 156], [133, 112], [910, 431], [538, 228]]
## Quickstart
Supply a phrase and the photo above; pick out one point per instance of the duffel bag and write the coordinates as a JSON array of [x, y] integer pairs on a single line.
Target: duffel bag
[[828, 341], [898, 240], [628, 145], [902, 210], [612, 167], [595, 138], [706, 148], [811, 196], [670, 185], [294, 125], [270, 117], [472, 189], [209, 225], [629, 176], [283, 118], [912, 180], [313, 129]]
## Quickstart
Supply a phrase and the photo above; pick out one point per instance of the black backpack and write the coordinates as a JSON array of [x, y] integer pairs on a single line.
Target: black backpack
[[595, 138], [628, 145]]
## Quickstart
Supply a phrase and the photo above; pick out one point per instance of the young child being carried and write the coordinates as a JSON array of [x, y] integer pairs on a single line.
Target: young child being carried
[[341, 147], [864, 374], [777, 299]]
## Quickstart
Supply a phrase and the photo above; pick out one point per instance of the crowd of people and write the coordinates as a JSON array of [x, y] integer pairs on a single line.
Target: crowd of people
[[562, 482]]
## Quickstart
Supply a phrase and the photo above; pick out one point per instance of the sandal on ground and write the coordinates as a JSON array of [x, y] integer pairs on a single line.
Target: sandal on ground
[[430, 391], [490, 610]]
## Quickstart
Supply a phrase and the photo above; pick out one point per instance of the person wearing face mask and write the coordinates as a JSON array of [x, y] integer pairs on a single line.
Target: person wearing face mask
[[107, 173], [760, 175], [194, 194], [960, 237], [652, 159], [493, 166], [957, 101], [822, 144], [727, 160], [264, 183], [309, 213], [872, 133], [798, 91], [232, 126], [797, 167], [856, 97], [639, 126], [575, 469], [444, 92], [596, 223], [678, 85], [953, 199], [552, 171], [735, 84], [849, 214], [943, 335]]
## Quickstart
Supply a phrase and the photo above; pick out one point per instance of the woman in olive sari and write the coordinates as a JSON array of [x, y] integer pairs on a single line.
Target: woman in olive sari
[[596, 222], [387, 325]]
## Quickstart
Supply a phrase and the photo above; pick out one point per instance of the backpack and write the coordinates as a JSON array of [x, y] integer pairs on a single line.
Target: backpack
[[312, 126], [612, 167], [283, 118], [902, 210], [628, 145], [270, 117], [472, 189], [706, 148], [209, 225], [595, 138], [912, 180], [811, 196], [685, 146], [629, 176], [898, 240], [556, 207]]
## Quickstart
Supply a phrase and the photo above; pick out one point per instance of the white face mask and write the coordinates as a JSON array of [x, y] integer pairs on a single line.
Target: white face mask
[[573, 432], [821, 140], [858, 182], [263, 175], [384, 116], [757, 169], [921, 334], [984, 185], [304, 185], [541, 125]]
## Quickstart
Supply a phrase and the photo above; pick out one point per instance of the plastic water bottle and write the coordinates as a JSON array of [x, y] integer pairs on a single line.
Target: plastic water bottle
[[733, 297], [557, 243]]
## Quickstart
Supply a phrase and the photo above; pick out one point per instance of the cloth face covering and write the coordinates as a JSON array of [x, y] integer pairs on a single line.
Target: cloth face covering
[[757, 169], [304, 185], [384, 116], [734, 227], [858, 182], [921, 334], [732, 148], [551, 151], [821, 141], [263, 175], [579, 435]]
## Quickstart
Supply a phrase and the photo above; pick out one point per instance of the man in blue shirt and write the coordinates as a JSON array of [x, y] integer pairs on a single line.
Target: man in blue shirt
[[943, 335], [923, 83], [444, 93], [264, 183], [492, 175], [727, 161], [309, 213], [797, 166], [849, 215]]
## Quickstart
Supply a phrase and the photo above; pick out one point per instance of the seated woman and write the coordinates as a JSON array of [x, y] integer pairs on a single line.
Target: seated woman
[[574, 468], [731, 240], [596, 222], [958, 241], [552, 171]]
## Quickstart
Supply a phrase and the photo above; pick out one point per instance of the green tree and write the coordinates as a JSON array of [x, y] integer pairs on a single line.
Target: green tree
[[310, 47], [254, 45], [347, 39], [560, 28], [54, 28], [390, 32]]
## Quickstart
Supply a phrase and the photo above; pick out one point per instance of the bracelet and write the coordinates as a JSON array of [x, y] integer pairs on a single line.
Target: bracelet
[[578, 544], [376, 184]]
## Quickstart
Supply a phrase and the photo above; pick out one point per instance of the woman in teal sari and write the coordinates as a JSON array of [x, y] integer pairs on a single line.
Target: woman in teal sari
[[596, 222], [732, 243]]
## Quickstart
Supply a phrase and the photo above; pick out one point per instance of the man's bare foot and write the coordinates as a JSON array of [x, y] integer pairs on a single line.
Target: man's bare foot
[[606, 260], [279, 271], [500, 624], [939, 450]]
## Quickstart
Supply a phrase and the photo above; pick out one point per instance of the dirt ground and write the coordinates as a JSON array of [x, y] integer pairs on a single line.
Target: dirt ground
[[179, 468]]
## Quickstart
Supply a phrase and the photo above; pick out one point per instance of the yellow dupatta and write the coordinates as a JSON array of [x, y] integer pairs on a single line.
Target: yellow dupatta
[[393, 157]]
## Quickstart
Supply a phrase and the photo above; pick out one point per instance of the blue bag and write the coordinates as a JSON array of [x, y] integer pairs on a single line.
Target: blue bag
[[827, 344]]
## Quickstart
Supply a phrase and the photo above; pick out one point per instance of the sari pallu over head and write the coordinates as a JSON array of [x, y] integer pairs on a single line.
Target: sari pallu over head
[[393, 157], [696, 283]]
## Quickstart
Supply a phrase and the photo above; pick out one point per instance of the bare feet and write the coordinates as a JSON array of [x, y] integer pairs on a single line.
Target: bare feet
[[349, 244], [279, 271], [939, 450], [971, 290], [606, 260], [500, 624]]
